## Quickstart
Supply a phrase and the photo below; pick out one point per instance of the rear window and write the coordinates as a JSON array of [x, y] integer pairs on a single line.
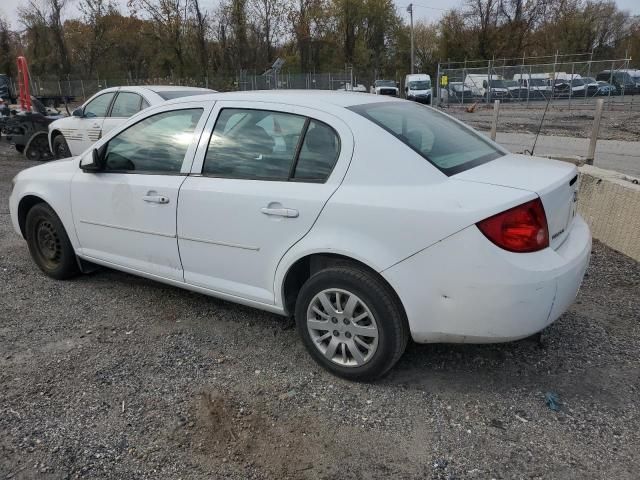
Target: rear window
[[449, 146], [171, 94]]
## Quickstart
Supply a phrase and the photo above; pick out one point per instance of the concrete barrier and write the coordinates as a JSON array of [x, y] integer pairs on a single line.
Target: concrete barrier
[[610, 204]]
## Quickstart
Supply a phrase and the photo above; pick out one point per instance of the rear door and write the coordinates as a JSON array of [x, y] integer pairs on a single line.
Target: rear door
[[125, 105], [260, 179]]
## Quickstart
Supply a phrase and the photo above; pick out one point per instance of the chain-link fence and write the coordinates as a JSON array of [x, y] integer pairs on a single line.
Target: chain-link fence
[[561, 79], [54, 91]]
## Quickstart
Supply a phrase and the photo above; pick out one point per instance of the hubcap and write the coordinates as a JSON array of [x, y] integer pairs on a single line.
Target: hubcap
[[342, 327], [48, 243]]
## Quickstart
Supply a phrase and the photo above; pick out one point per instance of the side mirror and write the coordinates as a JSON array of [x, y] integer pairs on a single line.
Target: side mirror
[[78, 112], [96, 162]]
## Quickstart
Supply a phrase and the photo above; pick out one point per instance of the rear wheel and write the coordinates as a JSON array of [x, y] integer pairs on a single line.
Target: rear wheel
[[49, 244], [38, 149], [60, 148], [351, 322]]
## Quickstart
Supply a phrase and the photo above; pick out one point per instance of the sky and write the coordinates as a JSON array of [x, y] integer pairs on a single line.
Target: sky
[[428, 10]]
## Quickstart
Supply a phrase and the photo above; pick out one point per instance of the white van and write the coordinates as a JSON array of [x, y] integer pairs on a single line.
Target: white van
[[481, 84], [417, 87]]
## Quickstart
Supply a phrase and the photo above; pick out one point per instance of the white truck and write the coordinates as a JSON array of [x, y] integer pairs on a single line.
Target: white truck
[[384, 87], [487, 86], [538, 84], [417, 87]]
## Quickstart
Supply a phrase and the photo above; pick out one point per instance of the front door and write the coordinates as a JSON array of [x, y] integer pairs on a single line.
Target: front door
[[82, 132], [126, 214], [259, 182]]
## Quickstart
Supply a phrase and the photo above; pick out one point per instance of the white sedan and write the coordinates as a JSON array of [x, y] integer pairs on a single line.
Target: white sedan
[[370, 219], [106, 110]]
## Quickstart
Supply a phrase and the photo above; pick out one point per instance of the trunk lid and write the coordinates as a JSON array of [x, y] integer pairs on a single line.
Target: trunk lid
[[553, 181]]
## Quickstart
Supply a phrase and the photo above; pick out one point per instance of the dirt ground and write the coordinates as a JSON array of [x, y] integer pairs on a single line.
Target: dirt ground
[[620, 122], [113, 376]]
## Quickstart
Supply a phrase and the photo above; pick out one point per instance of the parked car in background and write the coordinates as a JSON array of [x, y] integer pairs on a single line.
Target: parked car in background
[[104, 111], [385, 87], [537, 84], [622, 80], [417, 87], [457, 92], [347, 87], [369, 219], [606, 89], [487, 86]]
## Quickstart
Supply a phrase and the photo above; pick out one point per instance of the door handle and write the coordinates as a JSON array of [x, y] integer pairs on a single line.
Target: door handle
[[280, 212], [156, 199]]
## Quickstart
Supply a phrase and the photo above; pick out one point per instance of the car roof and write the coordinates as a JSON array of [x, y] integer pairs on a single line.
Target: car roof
[[305, 98], [175, 88]]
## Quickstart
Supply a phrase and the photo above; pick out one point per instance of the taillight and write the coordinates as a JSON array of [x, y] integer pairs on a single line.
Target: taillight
[[519, 229]]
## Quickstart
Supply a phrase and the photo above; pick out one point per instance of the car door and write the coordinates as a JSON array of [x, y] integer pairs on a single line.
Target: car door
[[83, 131], [260, 179], [125, 215], [125, 105]]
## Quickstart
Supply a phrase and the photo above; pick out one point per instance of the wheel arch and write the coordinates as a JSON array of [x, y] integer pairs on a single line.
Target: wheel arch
[[300, 270], [27, 203]]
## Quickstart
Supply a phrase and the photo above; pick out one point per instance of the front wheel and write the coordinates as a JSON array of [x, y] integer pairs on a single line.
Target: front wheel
[[351, 322], [60, 148], [49, 244]]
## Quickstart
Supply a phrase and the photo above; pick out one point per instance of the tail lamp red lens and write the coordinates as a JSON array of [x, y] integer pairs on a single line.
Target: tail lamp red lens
[[519, 229]]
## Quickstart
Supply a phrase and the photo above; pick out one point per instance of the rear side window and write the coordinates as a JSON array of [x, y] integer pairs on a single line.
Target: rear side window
[[126, 105], [445, 143], [318, 154], [99, 106], [261, 144], [156, 144]]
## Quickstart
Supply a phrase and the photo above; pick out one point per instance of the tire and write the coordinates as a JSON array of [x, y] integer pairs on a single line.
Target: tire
[[49, 244], [38, 149], [380, 322], [60, 147]]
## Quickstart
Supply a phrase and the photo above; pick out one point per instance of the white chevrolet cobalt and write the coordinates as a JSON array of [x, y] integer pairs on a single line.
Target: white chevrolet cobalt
[[368, 218]]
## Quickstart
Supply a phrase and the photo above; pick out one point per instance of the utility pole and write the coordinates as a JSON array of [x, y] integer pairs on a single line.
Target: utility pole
[[410, 10]]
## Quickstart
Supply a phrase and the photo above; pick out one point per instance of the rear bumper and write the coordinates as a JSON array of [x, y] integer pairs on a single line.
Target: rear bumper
[[464, 289]]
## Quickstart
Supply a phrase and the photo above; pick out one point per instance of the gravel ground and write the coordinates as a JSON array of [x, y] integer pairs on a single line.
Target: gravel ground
[[617, 123], [113, 376]]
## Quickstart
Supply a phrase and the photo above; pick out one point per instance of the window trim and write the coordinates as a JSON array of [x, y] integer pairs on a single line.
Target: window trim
[[296, 157], [361, 110], [116, 99], [177, 173]]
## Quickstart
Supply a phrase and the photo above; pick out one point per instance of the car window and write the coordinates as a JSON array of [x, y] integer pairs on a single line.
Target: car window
[[253, 144], [318, 154], [126, 104], [99, 106], [445, 143], [156, 144]]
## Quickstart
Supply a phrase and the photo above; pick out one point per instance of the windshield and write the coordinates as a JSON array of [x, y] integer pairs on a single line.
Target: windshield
[[171, 94], [498, 84], [538, 82], [385, 83], [576, 82], [448, 145], [420, 85], [589, 80]]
